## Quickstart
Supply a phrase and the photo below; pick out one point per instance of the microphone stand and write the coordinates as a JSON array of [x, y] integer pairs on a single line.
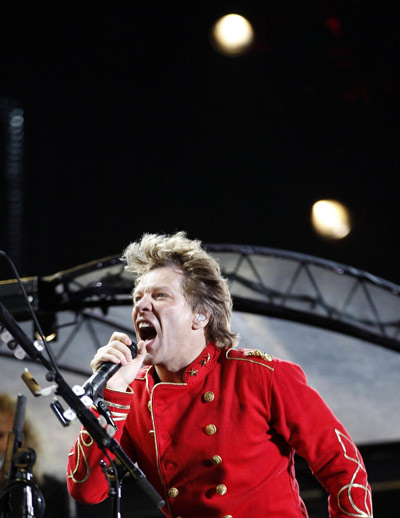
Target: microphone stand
[[19, 492], [100, 431]]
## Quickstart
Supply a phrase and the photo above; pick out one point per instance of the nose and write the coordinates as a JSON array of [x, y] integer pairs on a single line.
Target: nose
[[144, 303]]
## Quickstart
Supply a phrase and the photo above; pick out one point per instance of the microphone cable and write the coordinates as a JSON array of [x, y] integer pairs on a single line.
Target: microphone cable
[[34, 318]]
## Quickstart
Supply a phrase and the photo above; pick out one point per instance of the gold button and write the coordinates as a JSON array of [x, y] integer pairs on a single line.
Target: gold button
[[211, 429], [228, 516], [208, 396], [216, 459], [173, 492], [221, 489], [149, 405]]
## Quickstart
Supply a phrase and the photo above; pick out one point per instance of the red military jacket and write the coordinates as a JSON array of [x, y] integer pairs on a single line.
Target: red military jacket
[[221, 444]]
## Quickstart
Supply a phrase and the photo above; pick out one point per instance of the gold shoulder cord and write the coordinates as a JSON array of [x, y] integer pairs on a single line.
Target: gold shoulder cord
[[252, 353], [260, 354]]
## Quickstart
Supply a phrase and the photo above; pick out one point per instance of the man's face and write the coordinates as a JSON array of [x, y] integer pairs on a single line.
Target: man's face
[[164, 319]]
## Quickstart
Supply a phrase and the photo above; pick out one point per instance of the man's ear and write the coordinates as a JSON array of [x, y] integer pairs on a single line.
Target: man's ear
[[200, 320]]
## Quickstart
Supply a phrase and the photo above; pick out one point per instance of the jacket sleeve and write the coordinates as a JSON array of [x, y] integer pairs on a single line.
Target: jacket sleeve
[[300, 415], [85, 479]]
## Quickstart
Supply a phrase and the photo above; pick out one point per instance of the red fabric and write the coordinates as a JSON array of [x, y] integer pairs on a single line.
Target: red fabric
[[262, 410]]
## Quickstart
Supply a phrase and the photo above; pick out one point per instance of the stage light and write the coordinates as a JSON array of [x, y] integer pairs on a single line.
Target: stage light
[[232, 35], [330, 219], [48, 324]]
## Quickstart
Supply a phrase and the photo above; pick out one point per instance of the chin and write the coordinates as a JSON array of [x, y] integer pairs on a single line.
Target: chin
[[148, 359]]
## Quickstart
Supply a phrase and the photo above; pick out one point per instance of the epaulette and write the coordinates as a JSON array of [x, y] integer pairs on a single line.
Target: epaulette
[[257, 353], [250, 355]]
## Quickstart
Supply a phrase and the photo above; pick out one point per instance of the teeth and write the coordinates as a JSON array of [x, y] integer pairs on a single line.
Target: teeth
[[146, 330], [144, 324]]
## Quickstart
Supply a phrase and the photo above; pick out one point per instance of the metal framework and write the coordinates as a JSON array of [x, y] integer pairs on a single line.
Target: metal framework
[[263, 281], [313, 291]]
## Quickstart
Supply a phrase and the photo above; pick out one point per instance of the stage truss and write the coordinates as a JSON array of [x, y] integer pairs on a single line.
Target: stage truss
[[263, 281]]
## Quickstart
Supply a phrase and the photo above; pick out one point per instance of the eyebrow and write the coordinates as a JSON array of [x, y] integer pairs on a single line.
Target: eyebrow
[[155, 287]]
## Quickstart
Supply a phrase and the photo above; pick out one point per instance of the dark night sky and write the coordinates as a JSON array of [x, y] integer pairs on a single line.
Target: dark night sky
[[134, 123]]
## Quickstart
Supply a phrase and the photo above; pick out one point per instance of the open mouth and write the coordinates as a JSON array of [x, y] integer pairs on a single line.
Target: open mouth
[[146, 331]]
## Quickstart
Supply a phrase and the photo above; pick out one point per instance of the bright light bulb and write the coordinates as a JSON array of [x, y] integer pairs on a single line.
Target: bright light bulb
[[232, 34], [331, 219]]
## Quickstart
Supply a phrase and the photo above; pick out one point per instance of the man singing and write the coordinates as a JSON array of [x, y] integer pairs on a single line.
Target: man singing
[[214, 427]]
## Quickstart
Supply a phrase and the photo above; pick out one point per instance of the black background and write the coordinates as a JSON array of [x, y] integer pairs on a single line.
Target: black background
[[134, 123]]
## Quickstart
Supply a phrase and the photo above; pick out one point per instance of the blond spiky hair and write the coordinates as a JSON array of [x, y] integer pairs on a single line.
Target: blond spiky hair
[[203, 285]]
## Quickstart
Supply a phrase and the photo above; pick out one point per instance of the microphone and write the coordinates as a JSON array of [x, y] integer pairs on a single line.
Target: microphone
[[98, 379]]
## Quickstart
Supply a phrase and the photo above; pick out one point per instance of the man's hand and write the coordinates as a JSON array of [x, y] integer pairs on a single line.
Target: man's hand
[[117, 351]]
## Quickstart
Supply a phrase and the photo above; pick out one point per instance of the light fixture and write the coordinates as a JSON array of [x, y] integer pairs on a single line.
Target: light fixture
[[232, 34], [48, 325], [330, 219]]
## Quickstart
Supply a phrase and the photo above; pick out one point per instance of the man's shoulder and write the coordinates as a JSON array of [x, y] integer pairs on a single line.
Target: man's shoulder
[[250, 357]]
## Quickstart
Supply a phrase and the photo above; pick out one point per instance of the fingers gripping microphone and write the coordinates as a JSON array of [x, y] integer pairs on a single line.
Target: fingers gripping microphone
[[98, 380]]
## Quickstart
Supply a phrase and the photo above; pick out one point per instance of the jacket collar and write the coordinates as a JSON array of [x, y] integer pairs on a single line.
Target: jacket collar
[[202, 364], [195, 371]]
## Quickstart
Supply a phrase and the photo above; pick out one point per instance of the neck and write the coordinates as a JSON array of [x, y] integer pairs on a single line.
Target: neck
[[167, 376], [175, 374]]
